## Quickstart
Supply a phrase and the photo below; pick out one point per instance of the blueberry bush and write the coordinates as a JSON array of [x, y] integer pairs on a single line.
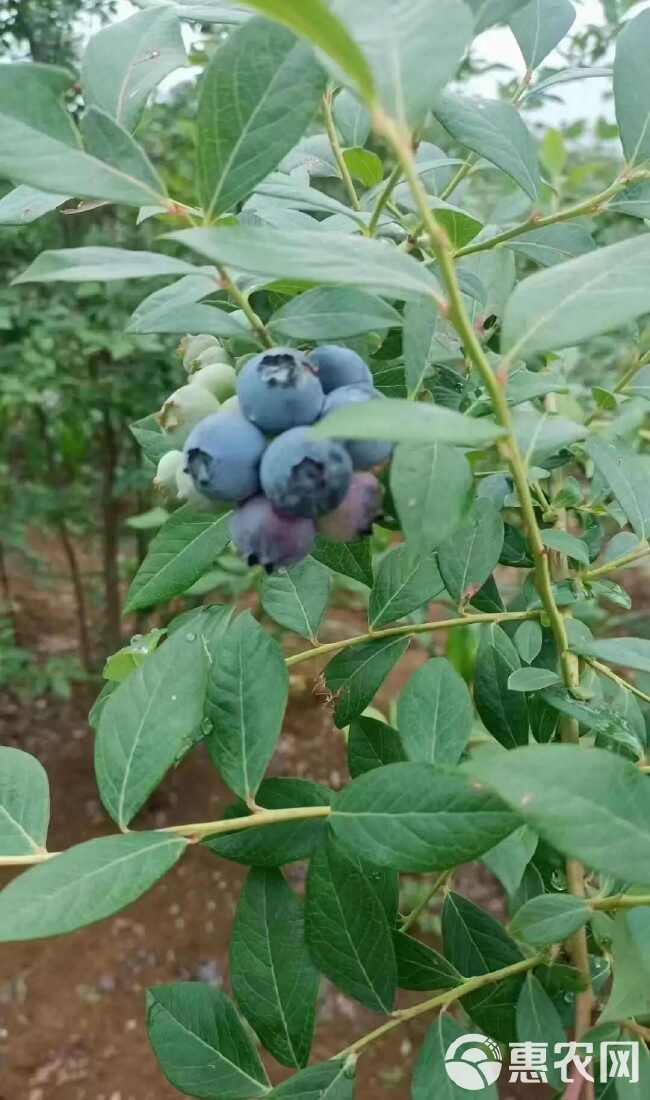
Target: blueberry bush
[[417, 354]]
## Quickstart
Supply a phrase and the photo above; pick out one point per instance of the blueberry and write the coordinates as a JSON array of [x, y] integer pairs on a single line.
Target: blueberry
[[279, 389], [302, 476], [339, 367], [222, 455], [263, 537], [363, 452], [357, 512]]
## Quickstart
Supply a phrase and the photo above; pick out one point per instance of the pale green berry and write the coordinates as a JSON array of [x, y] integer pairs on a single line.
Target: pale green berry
[[168, 468], [185, 407], [231, 404], [191, 347], [218, 378]]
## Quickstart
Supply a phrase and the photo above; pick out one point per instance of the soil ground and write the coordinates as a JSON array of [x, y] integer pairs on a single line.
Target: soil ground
[[71, 1009]]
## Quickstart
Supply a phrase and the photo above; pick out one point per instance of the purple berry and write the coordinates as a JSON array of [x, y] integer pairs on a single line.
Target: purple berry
[[339, 366], [357, 512], [302, 476], [222, 454], [279, 389], [363, 452], [263, 537]]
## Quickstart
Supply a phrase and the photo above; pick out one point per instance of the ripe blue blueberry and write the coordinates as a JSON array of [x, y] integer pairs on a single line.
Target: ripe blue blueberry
[[279, 389], [222, 454], [339, 367], [303, 476], [363, 452], [357, 512], [263, 537]]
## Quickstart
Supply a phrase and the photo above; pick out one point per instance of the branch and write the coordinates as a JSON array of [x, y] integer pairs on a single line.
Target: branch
[[411, 628], [606, 671], [338, 152], [410, 919], [391, 184], [242, 301], [442, 1000], [615, 563], [619, 901]]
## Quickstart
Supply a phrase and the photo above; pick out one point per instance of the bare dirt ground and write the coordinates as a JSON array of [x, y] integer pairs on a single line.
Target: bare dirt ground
[[71, 1009]]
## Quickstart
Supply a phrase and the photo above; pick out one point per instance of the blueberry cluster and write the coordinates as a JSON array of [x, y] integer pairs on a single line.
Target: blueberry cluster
[[256, 450]]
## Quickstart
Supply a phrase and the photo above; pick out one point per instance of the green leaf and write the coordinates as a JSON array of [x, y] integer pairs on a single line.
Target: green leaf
[[539, 26], [412, 47], [634, 200], [494, 130], [528, 640], [364, 166], [186, 545], [640, 384], [99, 264], [431, 1080], [418, 817], [24, 803], [630, 995], [475, 943], [553, 244], [352, 559], [275, 845], [503, 713], [421, 319], [124, 62], [85, 884], [249, 115], [347, 928], [542, 435], [147, 724], [603, 718], [571, 302], [193, 319], [372, 744], [632, 88], [509, 859], [405, 422], [352, 119], [333, 313], [272, 976], [245, 704], [313, 20], [355, 675], [420, 967], [627, 1089], [566, 544], [333, 1080], [550, 918], [24, 205], [538, 1021], [432, 487], [489, 12], [434, 713], [630, 652], [532, 679], [403, 583], [627, 475], [556, 788], [40, 141], [297, 597], [200, 1043], [466, 559], [336, 259]]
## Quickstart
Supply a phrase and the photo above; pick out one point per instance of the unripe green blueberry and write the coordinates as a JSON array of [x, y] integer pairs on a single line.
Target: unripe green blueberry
[[168, 468], [231, 404], [187, 491], [191, 347], [186, 407], [218, 378]]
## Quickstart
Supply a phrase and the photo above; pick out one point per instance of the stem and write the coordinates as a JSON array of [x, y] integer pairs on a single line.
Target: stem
[[606, 671], [411, 918], [460, 175], [410, 628], [495, 386], [391, 184], [196, 831], [615, 563], [620, 901], [338, 152], [242, 301], [443, 999], [591, 205]]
